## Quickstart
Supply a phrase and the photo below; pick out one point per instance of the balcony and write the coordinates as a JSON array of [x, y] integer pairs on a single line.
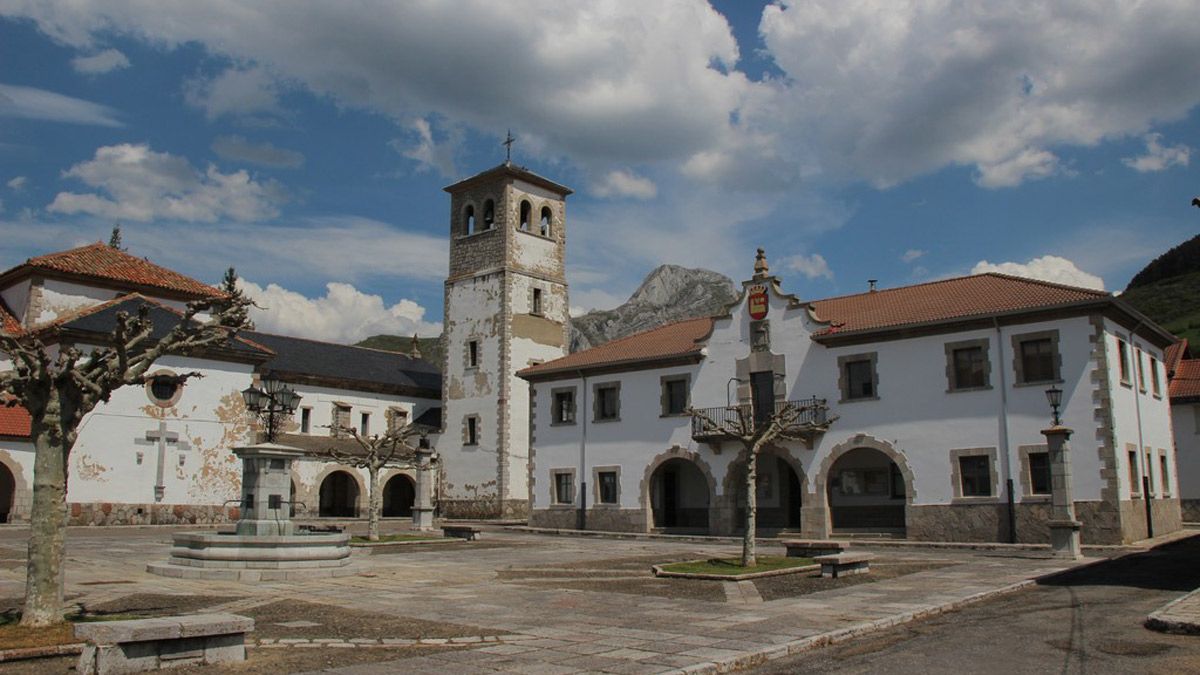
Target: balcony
[[812, 420]]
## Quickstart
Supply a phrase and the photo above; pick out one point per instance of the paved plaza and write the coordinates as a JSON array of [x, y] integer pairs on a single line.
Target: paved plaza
[[533, 612]]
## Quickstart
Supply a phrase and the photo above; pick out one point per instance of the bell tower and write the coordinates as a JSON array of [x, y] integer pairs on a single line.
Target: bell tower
[[505, 309]]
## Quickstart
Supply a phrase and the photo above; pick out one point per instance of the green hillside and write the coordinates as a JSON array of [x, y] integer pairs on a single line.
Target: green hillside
[[431, 347], [1168, 290]]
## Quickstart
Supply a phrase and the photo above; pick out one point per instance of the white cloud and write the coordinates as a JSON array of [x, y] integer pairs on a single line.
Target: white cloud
[[18, 183], [236, 91], [238, 149], [100, 62], [428, 152], [144, 185], [1028, 164], [1047, 268], [811, 266], [39, 104], [1158, 157], [912, 254], [625, 183], [343, 315]]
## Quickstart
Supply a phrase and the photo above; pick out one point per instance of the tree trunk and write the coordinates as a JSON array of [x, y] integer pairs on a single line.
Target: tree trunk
[[749, 556], [47, 533], [374, 504]]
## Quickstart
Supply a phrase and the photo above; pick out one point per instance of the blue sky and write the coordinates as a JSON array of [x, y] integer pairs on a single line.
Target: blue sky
[[307, 145]]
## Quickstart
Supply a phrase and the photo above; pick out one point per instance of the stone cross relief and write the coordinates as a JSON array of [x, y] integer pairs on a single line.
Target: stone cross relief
[[160, 438]]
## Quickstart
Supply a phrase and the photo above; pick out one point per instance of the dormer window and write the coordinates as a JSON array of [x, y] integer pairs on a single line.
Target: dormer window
[[489, 214], [469, 219], [546, 217], [526, 214]]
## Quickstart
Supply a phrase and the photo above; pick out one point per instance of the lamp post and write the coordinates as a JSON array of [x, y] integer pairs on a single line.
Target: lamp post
[[1064, 528], [273, 402]]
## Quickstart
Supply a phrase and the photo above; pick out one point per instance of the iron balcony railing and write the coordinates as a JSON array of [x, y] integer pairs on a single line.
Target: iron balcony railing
[[814, 415]]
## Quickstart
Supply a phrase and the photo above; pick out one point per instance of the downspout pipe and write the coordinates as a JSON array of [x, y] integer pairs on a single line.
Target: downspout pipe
[[1003, 433], [581, 413]]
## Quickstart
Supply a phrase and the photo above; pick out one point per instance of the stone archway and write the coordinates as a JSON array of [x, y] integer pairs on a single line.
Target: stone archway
[[783, 491], [16, 496], [339, 495], [887, 511], [8, 490], [399, 494], [682, 482]]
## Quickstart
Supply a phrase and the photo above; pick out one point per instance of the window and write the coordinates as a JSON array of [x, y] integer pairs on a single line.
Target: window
[[563, 401], [1035, 357], [607, 402], [164, 388], [606, 486], [536, 303], [305, 420], [341, 419], [1123, 361], [469, 219], [969, 368], [563, 484], [1149, 474], [471, 430], [1135, 484], [1140, 371], [489, 214], [526, 214], [1164, 473], [976, 475], [674, 396], [1155, 384], [1039, 473], [472, 353], [546, 218], [859, 379], [364, 424], [397, 419]]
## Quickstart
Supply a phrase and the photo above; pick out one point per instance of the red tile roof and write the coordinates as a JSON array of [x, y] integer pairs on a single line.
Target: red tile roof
[[8, 320], [101, 261], [14, 421], [1174, 354], [669, 341], [961, 297], [1186, 383]]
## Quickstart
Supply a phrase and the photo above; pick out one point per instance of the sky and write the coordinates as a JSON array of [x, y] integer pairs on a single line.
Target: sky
[[306, 143]]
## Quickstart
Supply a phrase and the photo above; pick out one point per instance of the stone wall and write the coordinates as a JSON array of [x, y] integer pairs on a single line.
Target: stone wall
[[605, 519], [1166, 514], [103, 513], [483, 508], [989, 523], [1191, 510]]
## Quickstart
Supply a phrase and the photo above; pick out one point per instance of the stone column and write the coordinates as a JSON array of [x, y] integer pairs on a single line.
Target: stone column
[[422, 517], [1064, 528]]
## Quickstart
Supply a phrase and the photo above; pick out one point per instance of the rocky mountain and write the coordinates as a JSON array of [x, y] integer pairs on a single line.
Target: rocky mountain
[[1168, 291], [669, 293]]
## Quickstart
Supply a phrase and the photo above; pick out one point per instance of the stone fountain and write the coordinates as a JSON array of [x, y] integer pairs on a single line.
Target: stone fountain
[[266, 545]]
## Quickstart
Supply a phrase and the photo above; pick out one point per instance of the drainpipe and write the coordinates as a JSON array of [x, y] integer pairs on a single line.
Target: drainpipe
[[1139, 377], [581, 413], [1007, 464]]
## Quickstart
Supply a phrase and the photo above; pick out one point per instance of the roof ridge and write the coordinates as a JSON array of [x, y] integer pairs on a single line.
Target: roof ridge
[[935, 282]]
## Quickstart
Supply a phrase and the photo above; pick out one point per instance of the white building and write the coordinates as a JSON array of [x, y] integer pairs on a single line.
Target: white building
[[1185, 416], [927, 405]]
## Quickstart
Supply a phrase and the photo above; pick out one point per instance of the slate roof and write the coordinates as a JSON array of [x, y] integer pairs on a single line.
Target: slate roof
[[930, 303], [103, 262], [431, 418], [1185, 386], [299, 356], [15, 421]]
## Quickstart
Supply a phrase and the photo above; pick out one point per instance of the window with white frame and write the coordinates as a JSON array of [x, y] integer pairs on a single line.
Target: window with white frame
[[1123, 361], [1141, 371], [1155, 383], [563, 404], [562, 486]]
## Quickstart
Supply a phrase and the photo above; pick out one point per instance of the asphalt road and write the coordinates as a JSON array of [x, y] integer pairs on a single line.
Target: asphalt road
[[1087, 621]]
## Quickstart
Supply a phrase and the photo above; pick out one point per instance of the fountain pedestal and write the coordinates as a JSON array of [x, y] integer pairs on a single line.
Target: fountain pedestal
[[266, 545]]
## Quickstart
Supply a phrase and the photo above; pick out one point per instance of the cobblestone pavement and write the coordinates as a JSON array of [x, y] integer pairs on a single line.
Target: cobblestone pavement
[[554, 630]]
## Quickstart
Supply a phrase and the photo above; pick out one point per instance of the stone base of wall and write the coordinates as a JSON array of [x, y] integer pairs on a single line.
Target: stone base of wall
[[104, 513], [1191, 510], [483, 508], [1166, 514], [605, 519], [989, 523]]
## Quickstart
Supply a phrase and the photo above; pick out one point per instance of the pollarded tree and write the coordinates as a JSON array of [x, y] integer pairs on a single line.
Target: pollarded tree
[[60, 383], [377, 452], [755, 429]]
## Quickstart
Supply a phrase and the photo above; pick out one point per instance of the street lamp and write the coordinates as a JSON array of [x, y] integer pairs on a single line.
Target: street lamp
[[274, 400], [1054, 396]]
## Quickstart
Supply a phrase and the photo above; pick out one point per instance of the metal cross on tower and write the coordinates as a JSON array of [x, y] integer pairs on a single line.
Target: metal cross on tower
[[161, 437], [508, 141]]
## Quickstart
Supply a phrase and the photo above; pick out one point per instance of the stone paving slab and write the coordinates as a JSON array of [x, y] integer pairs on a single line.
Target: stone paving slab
[[1181, 615]]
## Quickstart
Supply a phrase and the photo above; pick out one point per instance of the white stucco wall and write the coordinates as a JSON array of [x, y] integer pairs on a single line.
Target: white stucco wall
[[1140, 418], [62, 297], [1186, 420]]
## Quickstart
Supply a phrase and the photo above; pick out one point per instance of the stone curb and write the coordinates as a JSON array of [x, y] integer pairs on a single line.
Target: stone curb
[[463, 641], [660, 572], [23, 653], [410, 542], [1164, 620]]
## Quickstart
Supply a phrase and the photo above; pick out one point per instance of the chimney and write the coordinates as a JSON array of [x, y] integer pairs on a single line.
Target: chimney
[[871, 283]]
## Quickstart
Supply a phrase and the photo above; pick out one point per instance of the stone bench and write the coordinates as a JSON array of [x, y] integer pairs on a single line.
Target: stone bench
[[844, 564], [150, 644], [811, 548], [467, 532]]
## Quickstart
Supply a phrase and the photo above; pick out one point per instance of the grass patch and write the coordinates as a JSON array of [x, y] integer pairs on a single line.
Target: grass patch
[[733, 566], [395, 538]]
